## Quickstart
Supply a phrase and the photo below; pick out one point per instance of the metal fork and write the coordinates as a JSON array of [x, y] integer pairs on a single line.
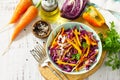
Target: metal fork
[[40, 55]]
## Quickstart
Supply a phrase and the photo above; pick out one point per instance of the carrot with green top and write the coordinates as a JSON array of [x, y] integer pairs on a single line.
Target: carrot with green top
[[20, 9], [28, 16]]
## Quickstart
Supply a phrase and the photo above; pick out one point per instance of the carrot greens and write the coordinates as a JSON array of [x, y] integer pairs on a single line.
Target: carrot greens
[[111, 44]]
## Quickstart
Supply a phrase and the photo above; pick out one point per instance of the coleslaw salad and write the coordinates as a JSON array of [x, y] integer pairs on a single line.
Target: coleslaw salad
[[74, 48]]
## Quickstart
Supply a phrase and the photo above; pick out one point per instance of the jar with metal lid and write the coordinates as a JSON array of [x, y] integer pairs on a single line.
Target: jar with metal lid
[[49, 10]]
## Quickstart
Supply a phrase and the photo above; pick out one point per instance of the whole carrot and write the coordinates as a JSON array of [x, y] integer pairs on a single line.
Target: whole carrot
[[21, 7], [27, 17]]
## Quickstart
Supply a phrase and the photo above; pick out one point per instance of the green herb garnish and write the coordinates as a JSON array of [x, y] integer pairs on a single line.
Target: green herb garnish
[[84, 44], [76, 56], [111, 44]]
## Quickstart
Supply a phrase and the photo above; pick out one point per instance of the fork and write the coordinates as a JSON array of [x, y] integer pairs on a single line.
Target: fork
[[40, 56]]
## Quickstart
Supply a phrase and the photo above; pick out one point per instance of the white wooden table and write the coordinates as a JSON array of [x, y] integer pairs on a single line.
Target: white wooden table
[[18, 63]]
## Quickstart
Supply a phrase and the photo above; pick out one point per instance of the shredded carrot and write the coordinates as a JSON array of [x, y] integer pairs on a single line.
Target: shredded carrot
[[78, 63], [93, 55], [87, 39], [54, 41], [76, 35], [93, 41], [65, 63], [75, 46], [81, 67], [88, 43], [66, 52], [74, 39], [88, 49], [78, 68]]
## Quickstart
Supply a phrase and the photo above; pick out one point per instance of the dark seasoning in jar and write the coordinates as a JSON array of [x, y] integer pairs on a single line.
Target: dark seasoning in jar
[[41, 29]]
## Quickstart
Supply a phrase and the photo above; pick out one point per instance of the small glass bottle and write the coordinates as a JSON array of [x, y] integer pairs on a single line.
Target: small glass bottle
[[49, 11]]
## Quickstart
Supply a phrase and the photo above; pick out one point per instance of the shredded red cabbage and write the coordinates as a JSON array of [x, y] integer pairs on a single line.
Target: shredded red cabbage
[[66, 56]]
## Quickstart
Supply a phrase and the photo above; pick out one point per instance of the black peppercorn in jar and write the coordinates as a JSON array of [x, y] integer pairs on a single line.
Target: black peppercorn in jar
[[41, 29]]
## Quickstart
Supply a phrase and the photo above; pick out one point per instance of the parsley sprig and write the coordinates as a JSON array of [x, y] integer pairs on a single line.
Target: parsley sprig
[[76, 56], [111, 44]]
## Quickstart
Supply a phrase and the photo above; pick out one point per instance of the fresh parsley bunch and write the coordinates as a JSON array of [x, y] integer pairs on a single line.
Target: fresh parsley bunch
[[111, 44]]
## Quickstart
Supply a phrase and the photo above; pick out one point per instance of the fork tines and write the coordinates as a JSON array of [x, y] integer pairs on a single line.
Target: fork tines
[[38, 53]]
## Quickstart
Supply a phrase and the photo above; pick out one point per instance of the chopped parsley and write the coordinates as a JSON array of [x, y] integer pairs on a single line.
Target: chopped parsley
[[84, 44], [76, 56]]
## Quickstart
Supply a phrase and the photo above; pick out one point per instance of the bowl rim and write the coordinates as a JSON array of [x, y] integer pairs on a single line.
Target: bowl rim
[[84, 26]]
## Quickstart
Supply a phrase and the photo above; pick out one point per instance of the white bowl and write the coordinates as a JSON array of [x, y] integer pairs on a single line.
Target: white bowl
[[71, 25]]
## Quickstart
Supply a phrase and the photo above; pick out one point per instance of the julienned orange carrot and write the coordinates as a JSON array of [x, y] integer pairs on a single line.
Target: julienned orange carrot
[[28, 16], [20, 9]]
